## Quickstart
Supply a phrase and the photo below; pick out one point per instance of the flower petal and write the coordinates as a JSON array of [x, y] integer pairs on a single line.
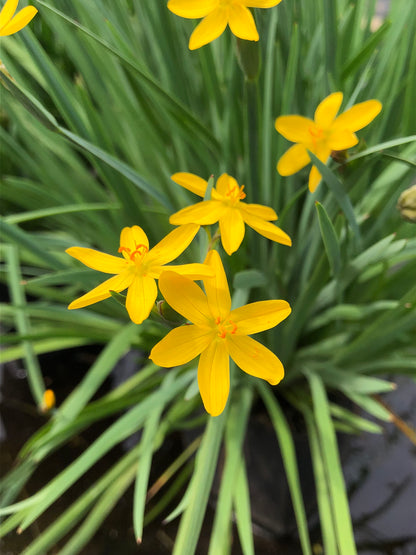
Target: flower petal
[[214, 377], [293, 160], [267, 229], [328, 109], [191, 182], [171, 246], [206, 212], [7, 12], [181, 345], [260, 3], [192, 9], [342, 139], [97, 260], [241, 22], [131, 238], [358, 116], [322, 152], [254, 358], [259, 211], [141, 296], [314, 179], [184, 296], [210, 28], [232, 230], [192, 271], [20, 20], [216, 288], [262, 315], [295, 128], [102, 291]]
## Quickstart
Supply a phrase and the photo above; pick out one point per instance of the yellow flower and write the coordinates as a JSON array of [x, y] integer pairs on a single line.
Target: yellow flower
[[138, 269], [48, 400], [323, 134], [216, 333], [11, 23], [217, 14], [226, 208]]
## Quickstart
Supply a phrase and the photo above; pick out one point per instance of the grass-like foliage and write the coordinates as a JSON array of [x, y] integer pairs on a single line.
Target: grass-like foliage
[[102, 101]]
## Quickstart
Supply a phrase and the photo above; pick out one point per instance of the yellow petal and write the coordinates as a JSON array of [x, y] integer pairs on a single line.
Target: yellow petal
[[232, 230], [342, 139], [259, 316], [211, 27], [314, 179], [267, 229], [192, 271], [202, 213], [216, 288], [181, 345], [102, 291], [293, 160], [260, 3], [171, 246], [184, 296], [141, 296], [98, 260], [191, 9], [214, 377], [20, 20], [295, 128], [323, 152], [358, 116], [7, 12], [242, 23], [191, 182], [131, 238], [254, 358], [259, 211], [328, 109]]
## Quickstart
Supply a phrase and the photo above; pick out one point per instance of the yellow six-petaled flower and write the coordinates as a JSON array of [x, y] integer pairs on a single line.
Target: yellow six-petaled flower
[[325, 133], [217, 333], [217, 15], [226, 208], [138, 269], [11, 23]]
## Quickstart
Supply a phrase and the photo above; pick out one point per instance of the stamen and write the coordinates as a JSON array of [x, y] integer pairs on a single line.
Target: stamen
[[138, 251], [124, 249], [234, 326]]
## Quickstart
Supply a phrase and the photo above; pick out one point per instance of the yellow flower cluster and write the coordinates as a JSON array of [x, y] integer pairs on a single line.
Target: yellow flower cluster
[[215, 332]]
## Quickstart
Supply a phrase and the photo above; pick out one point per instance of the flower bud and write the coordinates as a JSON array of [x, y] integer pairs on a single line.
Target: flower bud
[[407, 204]]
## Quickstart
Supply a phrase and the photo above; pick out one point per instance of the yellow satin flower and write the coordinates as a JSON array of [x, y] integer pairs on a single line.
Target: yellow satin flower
[[11, 23], [217, 333], [217, 15], [226, 208], [325, 133], [138, 269]]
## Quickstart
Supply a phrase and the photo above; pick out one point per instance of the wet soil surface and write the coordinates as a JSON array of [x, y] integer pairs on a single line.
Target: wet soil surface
[[380, 472]]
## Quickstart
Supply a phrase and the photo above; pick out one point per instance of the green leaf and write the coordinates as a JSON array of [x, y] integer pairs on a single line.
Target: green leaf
[[339, 193], [330, 239]]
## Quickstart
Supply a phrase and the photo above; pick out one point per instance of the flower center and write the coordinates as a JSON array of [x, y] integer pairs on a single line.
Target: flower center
[[316, 133], [137, 254], [235, 193], [225, 327]]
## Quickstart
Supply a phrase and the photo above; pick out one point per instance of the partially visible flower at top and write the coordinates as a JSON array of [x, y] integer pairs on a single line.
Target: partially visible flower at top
[[138, 269], [218, 333], [325, 133], [11, 23], [217, 14], [226, 208]]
